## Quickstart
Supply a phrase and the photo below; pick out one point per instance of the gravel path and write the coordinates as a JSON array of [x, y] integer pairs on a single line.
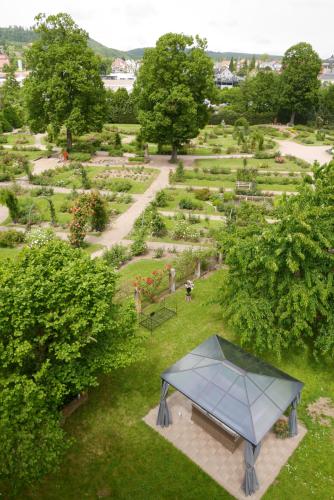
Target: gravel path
[[122, 226], [307, 153], [4, 213]]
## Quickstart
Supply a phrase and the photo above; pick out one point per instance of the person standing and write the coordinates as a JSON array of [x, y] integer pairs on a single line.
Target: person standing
[[189, 288]]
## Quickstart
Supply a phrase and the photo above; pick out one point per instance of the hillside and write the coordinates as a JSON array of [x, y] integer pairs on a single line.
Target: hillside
[[19, 36]]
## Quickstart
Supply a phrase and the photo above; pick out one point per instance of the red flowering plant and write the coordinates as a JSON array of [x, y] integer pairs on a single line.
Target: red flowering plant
[[149, 286]]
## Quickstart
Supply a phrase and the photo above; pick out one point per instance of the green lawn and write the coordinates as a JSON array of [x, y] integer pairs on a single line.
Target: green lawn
[[175, 195], [143, 267], [62, 203], [20, 139], [116, 452], [9, 253], [259, 164]]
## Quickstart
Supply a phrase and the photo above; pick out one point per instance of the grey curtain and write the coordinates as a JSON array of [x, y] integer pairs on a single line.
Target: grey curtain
[[251, 483], [164, 418], [293, 426]]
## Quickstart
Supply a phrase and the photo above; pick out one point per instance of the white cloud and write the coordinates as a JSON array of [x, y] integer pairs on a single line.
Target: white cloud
[[239, 25]]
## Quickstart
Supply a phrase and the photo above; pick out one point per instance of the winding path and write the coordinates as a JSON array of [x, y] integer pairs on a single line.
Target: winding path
[[307, 153]]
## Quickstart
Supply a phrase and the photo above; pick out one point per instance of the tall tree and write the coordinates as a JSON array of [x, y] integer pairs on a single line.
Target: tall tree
[[174, 82], [64, 87], [326, 104], [278, 292], [60, 328], [120, 107], [299, 83], [231, 65], [11, 99], [261, 92]]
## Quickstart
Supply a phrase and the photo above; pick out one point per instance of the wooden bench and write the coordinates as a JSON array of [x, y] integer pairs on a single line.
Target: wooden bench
[[219, 431]]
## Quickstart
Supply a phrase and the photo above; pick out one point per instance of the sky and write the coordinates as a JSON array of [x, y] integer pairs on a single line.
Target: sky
[[254, 26]]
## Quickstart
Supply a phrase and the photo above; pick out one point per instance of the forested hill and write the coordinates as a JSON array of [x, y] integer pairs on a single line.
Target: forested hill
[[19, 36]]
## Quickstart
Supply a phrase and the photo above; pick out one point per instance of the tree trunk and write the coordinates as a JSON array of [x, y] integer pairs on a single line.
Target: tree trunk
[[173, 158], [292, 119], [68, 139]]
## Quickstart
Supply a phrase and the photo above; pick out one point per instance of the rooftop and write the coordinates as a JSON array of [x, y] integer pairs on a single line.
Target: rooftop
[[240, 390]]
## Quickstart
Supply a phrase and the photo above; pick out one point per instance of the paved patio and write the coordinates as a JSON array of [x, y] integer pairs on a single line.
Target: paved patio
[[223, 466]]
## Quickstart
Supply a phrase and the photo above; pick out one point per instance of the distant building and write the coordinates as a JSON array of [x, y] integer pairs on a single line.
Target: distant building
[[273, 65], [328, 65], [224, 77], [119, 80], [326, 77]]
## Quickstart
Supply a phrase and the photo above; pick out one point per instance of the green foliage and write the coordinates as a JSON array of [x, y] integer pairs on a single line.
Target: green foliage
[[299, 81], [116, 255], [11, 101], [79, 156], [99, 214], [38, 237], [279, 288], [60, 329], [161, 199], [179, 174], [174, 80], [11, 238], [64, 87], [139, 246], [10, 199], [120, 107]]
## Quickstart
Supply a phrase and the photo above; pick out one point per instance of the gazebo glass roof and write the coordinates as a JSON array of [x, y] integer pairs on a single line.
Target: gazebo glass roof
[[233, 386]]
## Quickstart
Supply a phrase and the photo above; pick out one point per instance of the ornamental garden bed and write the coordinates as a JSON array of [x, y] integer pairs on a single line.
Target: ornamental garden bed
[[36, 209], [129, 179]]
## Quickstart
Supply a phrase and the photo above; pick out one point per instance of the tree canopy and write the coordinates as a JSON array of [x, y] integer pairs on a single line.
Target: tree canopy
[[301, 66], [174, 81], [60, 328], [278, 292], [64, 87]]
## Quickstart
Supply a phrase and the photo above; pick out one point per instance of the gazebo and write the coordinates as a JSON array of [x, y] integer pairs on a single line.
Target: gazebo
[[236, 389]]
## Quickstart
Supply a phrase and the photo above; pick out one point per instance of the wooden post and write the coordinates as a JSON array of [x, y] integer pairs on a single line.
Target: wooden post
[[220, 258], [137, 298], [172, 280], [198, 269], [146, 155]]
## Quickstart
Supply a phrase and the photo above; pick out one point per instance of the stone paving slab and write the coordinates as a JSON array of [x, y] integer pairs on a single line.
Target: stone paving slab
[[223, 466]]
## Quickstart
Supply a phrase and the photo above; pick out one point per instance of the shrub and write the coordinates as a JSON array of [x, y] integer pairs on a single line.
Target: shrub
[[184, 231], [138, 159], [158, 253], [79, 157], [203, 194], [189, 204], [115, 152], [139, 246], [281, 428], [42, 191], [161, 199], [279, 159], [11, 238], [116, 255], [179, 172], [120, 185], [3, 139], [229, 196], [39, 237]]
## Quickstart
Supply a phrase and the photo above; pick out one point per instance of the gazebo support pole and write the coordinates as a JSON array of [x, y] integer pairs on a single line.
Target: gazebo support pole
[[293, 425], [251, 483], [164, 419]]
